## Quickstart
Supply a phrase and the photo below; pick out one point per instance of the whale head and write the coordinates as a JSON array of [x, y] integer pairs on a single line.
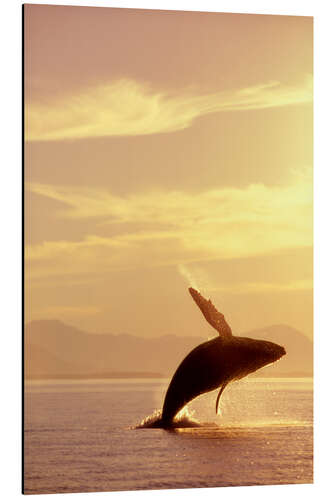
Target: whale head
[[249, 355]]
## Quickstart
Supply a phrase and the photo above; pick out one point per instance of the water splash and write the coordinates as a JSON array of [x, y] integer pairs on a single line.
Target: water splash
[[184, 419], [188, 275], [198, 278]]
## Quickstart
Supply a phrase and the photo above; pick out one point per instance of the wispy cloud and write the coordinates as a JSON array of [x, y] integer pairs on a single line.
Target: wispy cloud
[[223, 223], [253, 287], [195, 275], [127, 108], [64, 311]]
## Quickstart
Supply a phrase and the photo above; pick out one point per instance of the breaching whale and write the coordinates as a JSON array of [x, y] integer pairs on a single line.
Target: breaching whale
[[215, 363]]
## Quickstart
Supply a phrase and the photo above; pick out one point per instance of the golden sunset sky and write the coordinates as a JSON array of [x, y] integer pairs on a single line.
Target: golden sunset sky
[[167, 149]]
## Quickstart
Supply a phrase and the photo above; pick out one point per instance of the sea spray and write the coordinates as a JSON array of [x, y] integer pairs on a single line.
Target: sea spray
[[197, 277], [188, 275], [184, 419]]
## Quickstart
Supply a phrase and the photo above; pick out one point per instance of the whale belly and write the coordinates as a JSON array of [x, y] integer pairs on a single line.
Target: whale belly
[[201, 371]]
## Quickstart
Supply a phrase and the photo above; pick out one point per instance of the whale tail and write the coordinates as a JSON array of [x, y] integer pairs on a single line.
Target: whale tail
[[212, 315]]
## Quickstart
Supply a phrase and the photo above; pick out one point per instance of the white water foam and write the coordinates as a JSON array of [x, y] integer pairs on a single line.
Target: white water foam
[[185, 418]]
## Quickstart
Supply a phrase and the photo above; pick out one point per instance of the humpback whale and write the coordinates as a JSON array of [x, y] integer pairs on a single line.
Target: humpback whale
[[216, 362]]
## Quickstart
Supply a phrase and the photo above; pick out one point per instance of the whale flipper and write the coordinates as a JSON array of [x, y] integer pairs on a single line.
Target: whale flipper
[[212, 315], [223, 386]]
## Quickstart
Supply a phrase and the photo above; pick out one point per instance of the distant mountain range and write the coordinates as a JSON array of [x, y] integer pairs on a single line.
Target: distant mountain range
[[56, 350]]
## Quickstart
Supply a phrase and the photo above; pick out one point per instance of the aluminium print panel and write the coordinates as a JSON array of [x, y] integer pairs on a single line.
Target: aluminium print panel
[[168, 316]]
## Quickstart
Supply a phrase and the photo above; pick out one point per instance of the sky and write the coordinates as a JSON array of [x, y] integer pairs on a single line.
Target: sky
[[166, 150]]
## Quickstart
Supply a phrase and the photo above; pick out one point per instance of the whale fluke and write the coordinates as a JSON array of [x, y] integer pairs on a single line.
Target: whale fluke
[[212, 315]]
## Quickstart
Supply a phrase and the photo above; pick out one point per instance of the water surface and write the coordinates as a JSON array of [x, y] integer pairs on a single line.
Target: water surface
[[81, 436]]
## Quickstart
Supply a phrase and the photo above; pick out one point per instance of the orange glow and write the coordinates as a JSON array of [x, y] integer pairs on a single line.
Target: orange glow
[[162, 151]]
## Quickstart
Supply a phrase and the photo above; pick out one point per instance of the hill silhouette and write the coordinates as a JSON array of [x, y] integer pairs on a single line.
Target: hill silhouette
[[54, 349], [299, 358]]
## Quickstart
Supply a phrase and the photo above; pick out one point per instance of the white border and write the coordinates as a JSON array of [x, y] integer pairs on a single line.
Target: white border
[[10, 260], [285, 7]]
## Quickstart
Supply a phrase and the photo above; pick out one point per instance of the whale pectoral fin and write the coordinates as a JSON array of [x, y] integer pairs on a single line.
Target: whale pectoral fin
[[223, 386], [212, 315]]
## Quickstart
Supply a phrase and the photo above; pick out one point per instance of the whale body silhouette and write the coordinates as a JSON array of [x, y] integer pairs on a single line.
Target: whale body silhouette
[[215, 363]]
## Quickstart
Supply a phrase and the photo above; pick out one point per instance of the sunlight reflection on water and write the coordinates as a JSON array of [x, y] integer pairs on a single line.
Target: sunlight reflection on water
[[79, 436]]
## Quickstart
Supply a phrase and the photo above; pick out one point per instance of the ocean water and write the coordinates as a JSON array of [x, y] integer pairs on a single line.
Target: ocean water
[[96, 435]]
